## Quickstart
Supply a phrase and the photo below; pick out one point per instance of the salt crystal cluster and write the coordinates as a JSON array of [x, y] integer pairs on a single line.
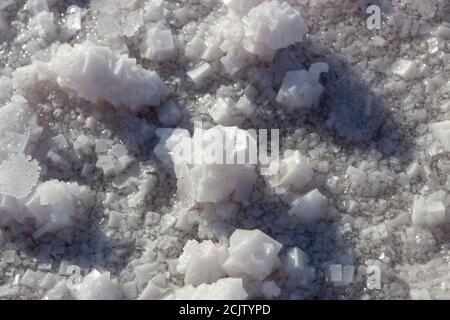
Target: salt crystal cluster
[[271, 26], [302, 89], [254, 31], [19, 129], [213, 166], [98, 75], [441, 135], [252, 255], [202, 262], [294, 172], [158, 44], [97, 286]]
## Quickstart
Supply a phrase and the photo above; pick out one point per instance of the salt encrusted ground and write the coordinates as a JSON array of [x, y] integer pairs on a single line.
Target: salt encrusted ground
[[88, 209]]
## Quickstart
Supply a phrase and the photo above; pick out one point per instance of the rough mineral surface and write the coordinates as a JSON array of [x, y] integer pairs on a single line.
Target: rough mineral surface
[[138, 157]]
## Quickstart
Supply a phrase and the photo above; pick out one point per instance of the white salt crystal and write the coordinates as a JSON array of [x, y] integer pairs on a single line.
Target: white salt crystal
[[97, 74], [427, 212], [406, 69], [295, 259], [200, 73], [97, 286], [159, 45], [262, 249], [311, 208], [202, 262], [441, 133], [224, 112], [115, 220]]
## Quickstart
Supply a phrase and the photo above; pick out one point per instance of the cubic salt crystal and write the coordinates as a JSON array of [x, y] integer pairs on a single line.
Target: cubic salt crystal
[[97, 74], [427, 212], [311, 208], [222, 289], [22, 128], [202, 262], [82, 145], [115, 220], [295, 259], [302, 89], [246, 106], [406, 69], [224, 112], [441, 133], [200, 73], [195, 48], [158, 45], [29, 279], [97, 286], [294, 171], [169, 114], [252, 255], [233, 62]]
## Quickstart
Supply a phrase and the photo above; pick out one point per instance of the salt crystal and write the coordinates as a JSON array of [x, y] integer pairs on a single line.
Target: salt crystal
[[202, 262], [427, 212], [311, 208], [97, 286], [406, 69], [159, 45], [262, 249], [200, 73], [97, 74]]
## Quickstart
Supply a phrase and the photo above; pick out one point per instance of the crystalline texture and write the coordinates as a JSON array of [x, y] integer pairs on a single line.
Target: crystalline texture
[[202, 262], [97, 74], [223, 289], [18, 176], [271, 26], [97, 286], [252, 255], [311, 208]]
